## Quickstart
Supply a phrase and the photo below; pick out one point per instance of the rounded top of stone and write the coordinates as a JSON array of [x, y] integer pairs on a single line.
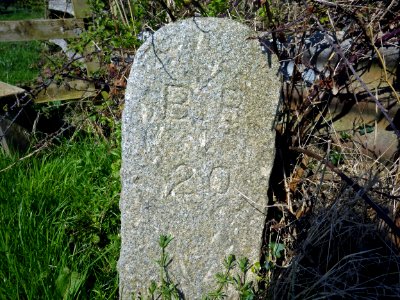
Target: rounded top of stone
[[200, 44], [202, 25]]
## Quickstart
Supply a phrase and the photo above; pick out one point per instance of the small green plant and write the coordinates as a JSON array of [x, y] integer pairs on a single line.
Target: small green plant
[[345, 136], [336, 157], [109, 30], [166, 289], [274, 252], [239, 281], [264, 271], [366, 128], [216, 7]]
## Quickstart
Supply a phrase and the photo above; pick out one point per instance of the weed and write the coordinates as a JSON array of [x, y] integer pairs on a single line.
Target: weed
[[227, 280], [244, 288], [166, 289], [216, 7], [336, 157]]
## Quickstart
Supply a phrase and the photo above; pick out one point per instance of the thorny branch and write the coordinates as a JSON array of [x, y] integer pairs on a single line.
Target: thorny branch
[[378, 103]]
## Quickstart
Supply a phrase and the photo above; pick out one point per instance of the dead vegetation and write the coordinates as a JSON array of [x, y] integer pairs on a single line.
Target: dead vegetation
[[336, 205]]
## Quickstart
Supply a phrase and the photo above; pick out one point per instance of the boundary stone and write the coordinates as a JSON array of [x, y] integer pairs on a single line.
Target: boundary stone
[[197, 151]]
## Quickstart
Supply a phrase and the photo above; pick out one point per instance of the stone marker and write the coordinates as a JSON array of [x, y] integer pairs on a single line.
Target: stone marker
[[197, 150]]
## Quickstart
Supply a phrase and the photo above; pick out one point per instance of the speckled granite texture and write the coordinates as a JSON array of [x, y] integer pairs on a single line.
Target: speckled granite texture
[[197, 150]]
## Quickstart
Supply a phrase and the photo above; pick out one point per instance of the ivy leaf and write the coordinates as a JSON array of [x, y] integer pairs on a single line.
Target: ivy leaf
[[366, 129]]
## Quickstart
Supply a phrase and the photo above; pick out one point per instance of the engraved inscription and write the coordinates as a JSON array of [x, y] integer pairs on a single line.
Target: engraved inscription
[[177, 101], [219, 180], [183, 181], [152, 134], [180, 181]]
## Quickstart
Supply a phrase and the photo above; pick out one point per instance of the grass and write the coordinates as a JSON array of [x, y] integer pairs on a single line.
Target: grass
[[13, 13], [19, 60], [59, 236]]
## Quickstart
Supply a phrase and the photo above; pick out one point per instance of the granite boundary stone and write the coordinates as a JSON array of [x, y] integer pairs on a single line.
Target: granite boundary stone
[[198, 146]]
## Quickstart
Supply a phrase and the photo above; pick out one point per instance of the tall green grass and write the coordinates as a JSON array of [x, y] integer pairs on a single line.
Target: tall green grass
[[59, 216], [13, 13], [19, 60]]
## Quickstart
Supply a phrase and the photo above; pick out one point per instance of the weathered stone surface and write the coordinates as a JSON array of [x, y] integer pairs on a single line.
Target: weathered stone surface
[[198, 147], [62, 6], [8, 89]]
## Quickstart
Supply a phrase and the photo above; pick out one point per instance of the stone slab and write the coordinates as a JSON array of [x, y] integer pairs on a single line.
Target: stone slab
[[8, 89], [197, 150], [62, 6], [67, 90]]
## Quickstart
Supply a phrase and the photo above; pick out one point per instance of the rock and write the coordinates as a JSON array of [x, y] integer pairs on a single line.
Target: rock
[[61, 6], [9, 90], [13, 137], [197, 150]]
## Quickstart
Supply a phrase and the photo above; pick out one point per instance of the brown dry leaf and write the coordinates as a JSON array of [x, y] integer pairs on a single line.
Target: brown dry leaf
[[120, 83]]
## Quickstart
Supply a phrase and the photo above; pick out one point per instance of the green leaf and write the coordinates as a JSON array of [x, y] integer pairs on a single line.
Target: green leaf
[[68, 283], [105, 95], [229, 262], [165, 240], [244, 264], [366, 129], [345, 136], [256, 267], [215, 295], [216, 7], [152, 288], [276, 249], [336, 157], [221, 278], [268, 265]]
